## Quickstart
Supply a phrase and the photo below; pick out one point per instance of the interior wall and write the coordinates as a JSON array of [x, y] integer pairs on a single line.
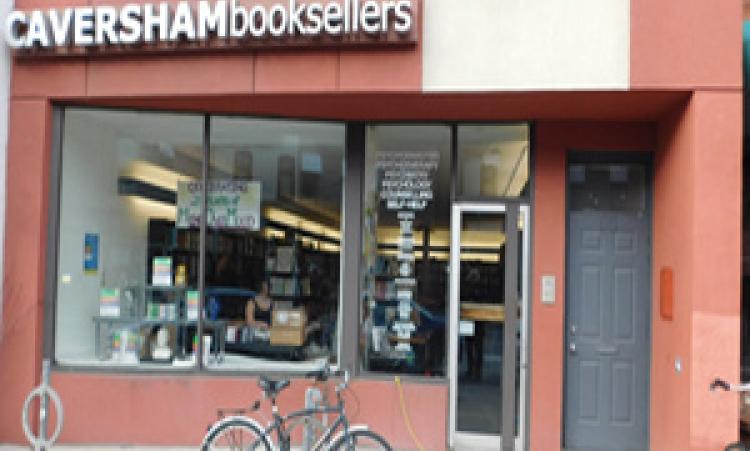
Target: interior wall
[[90, 203]]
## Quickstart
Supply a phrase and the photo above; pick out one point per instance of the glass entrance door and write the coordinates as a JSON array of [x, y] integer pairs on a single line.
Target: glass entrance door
[[488, 258]]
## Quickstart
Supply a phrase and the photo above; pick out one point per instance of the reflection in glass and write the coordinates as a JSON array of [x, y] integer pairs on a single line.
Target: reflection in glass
[[274, 241], [611, 187], [482, 313], [493, 160], [405, 248], [127, 278]]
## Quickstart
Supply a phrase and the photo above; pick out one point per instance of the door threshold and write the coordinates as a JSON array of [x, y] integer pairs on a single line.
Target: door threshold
[[469, 441]]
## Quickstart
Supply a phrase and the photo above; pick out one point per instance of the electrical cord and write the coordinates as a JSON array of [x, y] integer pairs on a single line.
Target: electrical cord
[[405, 415]]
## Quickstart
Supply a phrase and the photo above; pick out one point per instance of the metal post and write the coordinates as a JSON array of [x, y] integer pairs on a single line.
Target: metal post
[[44, 392], [349, 315], [203, 231], [510, 336], [44, 402]]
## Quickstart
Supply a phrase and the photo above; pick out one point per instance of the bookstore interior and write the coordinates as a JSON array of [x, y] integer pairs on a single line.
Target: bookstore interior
[[130, 195]]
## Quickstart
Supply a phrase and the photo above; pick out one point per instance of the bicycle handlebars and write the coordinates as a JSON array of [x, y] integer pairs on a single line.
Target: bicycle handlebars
[[720, 383], [726, 386]]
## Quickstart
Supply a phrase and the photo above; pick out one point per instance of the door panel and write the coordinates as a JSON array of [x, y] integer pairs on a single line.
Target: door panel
[[488, 278], [482, 313], [608, 305]]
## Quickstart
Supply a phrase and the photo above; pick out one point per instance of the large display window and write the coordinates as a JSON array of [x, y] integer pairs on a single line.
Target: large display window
[[215, 242], [129, 285], [289, 257], [406, 247], [119, 173]]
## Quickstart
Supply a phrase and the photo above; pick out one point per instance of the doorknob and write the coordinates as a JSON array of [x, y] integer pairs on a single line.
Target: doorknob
[[572, 348]]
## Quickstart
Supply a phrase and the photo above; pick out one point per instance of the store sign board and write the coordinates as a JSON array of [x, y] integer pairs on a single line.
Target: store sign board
[[231, 204], [210, 25]]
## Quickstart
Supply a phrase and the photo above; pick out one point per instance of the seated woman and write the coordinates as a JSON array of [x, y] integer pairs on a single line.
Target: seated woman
[[258, 310]]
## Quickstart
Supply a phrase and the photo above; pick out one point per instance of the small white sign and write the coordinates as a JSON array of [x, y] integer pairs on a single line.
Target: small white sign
[[548, 289], [466, 328]]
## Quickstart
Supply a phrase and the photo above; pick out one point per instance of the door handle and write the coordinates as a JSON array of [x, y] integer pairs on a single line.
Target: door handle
[[572, 348]]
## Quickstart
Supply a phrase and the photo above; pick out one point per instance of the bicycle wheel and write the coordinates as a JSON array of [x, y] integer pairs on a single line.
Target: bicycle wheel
[[236, 435], [361, 440]]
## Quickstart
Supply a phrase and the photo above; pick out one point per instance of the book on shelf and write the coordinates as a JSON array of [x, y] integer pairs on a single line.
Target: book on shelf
[[192, 299], [159, 311], [282, 286], [162, 272], [109, 302], [285, 259], [305, 286]]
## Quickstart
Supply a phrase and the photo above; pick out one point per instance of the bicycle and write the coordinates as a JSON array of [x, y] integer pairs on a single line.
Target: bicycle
[[741, 388], [242, 432]]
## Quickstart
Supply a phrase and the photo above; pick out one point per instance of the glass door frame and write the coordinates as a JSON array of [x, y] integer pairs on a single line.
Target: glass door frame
[[513, 212]]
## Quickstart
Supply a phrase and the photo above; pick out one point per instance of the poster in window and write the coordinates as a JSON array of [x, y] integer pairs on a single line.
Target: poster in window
[[406, 189], [231, 204], [91, 253]]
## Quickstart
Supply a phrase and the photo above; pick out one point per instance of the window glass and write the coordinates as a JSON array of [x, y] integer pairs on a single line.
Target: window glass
[[406, 248], [493, 160], [273, 245], [127, 277], [482, 322], [612, 187]]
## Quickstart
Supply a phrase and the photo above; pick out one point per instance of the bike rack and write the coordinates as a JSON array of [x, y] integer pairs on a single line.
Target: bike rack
[[44, 392]]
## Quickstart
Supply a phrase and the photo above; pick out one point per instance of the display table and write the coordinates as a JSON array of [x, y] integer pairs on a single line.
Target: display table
[[218, 330]]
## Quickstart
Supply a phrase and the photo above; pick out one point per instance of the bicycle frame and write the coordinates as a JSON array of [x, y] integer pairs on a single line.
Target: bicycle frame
[[283, 434], [284, 425]]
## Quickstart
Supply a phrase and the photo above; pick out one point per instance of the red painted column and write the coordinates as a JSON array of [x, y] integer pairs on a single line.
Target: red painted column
[[548, 256], [697, 230], [23, 291]]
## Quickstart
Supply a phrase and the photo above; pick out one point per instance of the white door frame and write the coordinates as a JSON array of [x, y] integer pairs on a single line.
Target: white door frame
[[473, 440]]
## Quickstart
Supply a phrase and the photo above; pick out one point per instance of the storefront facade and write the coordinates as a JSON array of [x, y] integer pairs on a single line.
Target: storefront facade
[[183, 216]]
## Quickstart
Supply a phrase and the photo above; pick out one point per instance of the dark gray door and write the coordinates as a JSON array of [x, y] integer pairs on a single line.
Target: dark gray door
[[609, 291]]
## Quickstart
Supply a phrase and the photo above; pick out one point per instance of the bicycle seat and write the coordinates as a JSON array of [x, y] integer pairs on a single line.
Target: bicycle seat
[[272, 387]]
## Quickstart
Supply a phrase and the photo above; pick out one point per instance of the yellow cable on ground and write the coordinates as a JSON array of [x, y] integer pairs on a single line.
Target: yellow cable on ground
[[405, 415]]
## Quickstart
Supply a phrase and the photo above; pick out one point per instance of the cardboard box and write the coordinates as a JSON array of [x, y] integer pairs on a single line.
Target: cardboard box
[[287, 336], [287, 318]]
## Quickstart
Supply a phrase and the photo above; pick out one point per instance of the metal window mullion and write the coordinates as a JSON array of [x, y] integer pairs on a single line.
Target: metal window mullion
[[351, 249], [511, 329], [202, 241], [53, 234]]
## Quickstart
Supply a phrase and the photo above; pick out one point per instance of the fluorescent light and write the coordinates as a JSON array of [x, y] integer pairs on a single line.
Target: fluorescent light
[[295, 221], [154, 174], [151, 208]]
